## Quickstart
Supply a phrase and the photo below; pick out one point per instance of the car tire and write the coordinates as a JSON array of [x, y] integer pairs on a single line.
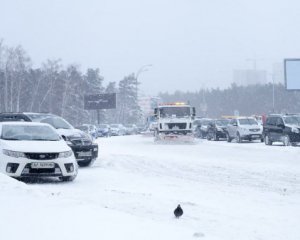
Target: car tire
[[215, 138], [286, 141], [85, 163], [238, 138], [267, 140], [67, 178], [228, 138], [208, 137]]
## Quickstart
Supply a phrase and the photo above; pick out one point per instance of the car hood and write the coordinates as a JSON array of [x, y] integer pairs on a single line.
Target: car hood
[[251, 126], [292, 126], [35, 146], [68, 132]]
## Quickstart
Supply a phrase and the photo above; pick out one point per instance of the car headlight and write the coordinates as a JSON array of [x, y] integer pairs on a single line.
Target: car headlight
[[295, 130], [65, 154], [69, 142], [13, 153]]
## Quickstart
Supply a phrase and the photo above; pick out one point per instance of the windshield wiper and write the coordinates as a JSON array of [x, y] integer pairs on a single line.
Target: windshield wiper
[[14, 139], [43, 139]]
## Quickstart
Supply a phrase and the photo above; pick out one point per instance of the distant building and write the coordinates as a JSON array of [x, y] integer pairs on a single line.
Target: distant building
[[244, 77]]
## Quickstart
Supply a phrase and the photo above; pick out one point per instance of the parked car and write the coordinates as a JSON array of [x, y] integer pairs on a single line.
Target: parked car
[[131, 129], [89, 129], [35, 150], [244, 128], [103, 130], [117, 130], [85, 150], [282, 128], [217, 129], [200, 127]]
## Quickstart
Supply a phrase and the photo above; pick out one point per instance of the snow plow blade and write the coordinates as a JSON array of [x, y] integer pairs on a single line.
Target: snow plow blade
[[175, 138]]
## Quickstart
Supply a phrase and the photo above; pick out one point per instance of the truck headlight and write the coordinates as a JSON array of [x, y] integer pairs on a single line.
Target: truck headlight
[[65, 154], [13, 153]]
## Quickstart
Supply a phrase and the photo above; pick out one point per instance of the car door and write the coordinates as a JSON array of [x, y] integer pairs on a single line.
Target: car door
[[232, 128], [278, 129]]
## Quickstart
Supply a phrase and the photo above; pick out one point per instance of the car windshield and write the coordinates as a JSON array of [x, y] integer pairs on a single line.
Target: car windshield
[[83, 128], [247, 121], [205, 122], [54, 121], [174, 111], [30, 133], [293, 120], [222, 122]]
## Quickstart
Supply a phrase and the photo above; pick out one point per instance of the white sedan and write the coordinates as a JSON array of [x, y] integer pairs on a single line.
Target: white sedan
[[30, 149]]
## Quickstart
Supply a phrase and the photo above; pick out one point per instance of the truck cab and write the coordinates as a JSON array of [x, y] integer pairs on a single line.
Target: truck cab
[[174, 120]]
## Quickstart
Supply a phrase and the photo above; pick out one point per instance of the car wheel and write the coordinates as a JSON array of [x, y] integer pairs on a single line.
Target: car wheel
[[216, 138], [68, 178], [267, 140], [228, 138], [286, 141], [208, 137], [238, 137], [85, 163]]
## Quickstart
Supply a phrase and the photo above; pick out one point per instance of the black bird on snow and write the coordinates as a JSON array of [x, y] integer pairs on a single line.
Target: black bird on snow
[[178, 211]]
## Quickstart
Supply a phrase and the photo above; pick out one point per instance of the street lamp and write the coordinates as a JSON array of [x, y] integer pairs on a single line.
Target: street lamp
[[143, 68]]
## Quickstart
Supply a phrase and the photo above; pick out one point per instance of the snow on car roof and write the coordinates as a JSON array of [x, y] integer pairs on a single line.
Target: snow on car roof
[[24, 123]]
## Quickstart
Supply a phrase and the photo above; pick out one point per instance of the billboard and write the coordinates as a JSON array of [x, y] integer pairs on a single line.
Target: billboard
[[292, 74], [100, 101]]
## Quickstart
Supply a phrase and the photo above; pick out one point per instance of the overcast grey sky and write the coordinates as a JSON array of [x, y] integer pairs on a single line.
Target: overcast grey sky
[[190, 43]]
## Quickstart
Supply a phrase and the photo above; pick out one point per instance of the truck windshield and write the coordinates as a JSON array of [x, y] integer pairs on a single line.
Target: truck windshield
[[175, 111]]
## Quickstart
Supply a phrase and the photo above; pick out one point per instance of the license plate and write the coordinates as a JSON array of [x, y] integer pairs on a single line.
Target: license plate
[[84, 154], [255, 136], [42, 165]]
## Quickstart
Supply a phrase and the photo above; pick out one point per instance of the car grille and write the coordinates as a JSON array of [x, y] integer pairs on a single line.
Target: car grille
[[176, 126], [254, 130], [81, 142], [41, 156]]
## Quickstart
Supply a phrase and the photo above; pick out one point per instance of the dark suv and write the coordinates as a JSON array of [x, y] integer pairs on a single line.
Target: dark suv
[[85, 150], [282, 128], [216, 129]]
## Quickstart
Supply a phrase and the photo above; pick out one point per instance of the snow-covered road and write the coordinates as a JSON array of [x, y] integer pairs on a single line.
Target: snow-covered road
[[227, 191]]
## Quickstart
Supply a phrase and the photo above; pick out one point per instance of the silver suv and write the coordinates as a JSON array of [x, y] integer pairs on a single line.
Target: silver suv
[[244, 128]]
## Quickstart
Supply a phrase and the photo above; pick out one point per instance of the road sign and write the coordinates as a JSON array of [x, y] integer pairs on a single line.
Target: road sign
[[100, 101]]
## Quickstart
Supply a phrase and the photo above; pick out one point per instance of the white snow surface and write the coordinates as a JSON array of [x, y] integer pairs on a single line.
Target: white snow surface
[[228, 191]]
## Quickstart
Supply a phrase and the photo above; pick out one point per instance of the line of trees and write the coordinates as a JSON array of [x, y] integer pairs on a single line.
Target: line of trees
[[60, 90], [247, 100]]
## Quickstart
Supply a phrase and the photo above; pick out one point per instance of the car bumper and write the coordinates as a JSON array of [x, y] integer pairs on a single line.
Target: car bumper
[[252, 136], [63, 167], [85, 152]]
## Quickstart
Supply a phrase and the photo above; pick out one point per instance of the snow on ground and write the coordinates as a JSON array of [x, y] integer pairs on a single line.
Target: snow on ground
[[227, 191]]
